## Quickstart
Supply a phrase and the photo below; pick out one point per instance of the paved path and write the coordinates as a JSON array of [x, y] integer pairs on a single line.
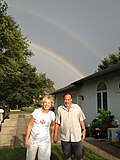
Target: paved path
[[14, 129], [103, 148]]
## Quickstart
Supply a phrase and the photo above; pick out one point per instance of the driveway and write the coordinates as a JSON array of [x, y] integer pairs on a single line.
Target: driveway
[[13, 130]]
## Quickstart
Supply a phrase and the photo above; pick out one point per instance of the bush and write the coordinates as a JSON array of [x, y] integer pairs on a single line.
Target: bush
[[100, 124], [29, 109]]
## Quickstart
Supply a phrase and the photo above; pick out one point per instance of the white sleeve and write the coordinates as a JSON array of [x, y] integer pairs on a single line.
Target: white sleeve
[[53, 116], [34, 113], [57, 118], [82, 116]]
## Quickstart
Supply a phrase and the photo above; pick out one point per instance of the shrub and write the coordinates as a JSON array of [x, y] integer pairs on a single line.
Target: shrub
[[29, 109], [100, 124]]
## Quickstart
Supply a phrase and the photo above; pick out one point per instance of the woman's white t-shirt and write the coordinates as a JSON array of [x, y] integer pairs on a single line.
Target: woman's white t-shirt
[[41, 127]]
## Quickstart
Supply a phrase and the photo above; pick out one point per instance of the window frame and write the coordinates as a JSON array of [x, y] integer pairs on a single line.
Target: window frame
[[100, 97]]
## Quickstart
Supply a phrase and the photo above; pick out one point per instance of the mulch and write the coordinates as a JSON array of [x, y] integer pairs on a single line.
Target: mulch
[[116, 144]]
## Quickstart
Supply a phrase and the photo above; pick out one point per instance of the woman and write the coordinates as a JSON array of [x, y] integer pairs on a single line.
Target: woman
[[38, 131]]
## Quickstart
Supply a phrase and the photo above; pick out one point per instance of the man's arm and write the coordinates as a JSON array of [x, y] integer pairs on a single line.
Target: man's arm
[[83, 129]]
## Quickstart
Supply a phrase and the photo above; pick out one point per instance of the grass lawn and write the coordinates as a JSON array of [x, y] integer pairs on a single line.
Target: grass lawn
[[20, 112], [19, 154]]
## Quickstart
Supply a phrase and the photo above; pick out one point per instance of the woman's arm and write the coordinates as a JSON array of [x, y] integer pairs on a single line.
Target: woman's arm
[[57, 127], [52, 130], [28, 130]]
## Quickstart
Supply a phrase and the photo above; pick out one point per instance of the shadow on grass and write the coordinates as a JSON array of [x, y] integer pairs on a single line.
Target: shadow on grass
[[20, 152], [56, 153]]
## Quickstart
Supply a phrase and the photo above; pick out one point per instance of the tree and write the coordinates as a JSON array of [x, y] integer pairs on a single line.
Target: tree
[[19, 81], [22, 87], [14, 52], [13, 46], [110, 61], [46, 83]]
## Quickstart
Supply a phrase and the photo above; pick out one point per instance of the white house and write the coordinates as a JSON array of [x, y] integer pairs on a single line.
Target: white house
[[99, 90]]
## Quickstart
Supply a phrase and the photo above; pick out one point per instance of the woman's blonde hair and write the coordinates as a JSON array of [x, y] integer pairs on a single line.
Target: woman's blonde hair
[[50, 97]]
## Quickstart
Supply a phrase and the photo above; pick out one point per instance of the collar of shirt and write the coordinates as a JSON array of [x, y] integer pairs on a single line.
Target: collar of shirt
[[72, 105]]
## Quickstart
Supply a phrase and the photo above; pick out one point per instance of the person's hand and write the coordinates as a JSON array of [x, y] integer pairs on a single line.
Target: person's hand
[[26, 143], [55, 139], [83, 134], [52, 141]]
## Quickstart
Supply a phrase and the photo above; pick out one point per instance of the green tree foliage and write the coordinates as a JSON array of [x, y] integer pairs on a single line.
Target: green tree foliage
[[110, 61], [46, 83], [19, 82], [13, 46]]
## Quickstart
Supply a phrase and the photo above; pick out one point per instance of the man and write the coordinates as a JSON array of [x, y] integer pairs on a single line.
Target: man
[[70, 120]]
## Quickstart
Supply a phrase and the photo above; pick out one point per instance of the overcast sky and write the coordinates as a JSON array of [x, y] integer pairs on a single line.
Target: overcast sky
[[69, 38]]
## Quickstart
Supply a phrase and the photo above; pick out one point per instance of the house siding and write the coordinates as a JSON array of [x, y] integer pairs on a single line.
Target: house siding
[[88, 92], [114, 95]]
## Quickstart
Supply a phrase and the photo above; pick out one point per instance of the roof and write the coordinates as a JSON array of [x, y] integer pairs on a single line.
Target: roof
[[90, 77]]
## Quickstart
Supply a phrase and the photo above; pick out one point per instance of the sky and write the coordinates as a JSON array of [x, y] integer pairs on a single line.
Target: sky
[[69, 38]]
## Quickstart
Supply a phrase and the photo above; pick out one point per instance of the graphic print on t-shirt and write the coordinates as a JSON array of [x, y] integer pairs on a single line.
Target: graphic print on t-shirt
[[42, 121]]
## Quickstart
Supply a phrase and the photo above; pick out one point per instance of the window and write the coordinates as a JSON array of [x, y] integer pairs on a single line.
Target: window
[[102, 96]]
